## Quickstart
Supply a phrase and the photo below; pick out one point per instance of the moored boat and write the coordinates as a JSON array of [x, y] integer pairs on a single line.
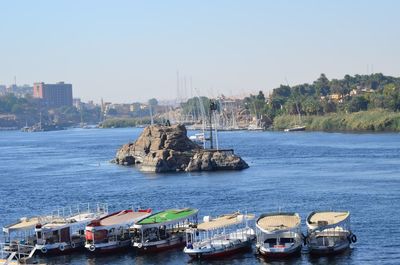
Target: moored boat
[[163, 230], [198, 138], [111, 233], [65, 233], [220, 237], [296, 128], [329, 232], [279, 234], [22, 232]]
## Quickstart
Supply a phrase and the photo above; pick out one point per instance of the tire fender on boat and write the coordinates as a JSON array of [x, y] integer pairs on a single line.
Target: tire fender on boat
[[73, 245], [140, 245], [43, 250], [61, 247], [353, 238], [92, 248]]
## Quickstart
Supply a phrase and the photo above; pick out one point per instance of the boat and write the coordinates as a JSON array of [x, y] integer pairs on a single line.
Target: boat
[[254, 127], [220, 237], [198, 138], [329, 232], [65, 232], [279, 234], [111, 233], [295, 128], [22, 232], [163, 230]]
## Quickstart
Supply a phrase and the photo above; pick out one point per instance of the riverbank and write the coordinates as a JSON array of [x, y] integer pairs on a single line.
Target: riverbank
[[373, 120], [125, 122]]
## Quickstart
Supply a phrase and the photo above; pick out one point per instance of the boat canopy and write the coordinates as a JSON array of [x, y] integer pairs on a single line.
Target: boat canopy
[[225, 221], [119, 218], [167, 217], [326, 219], [22, 224], [278, 222], [59, 223]]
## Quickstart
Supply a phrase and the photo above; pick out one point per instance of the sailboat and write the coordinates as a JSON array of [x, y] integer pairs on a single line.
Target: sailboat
[[296, 127]]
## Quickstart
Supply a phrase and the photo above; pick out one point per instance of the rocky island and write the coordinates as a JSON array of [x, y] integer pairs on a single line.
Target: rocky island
[[167, 148]]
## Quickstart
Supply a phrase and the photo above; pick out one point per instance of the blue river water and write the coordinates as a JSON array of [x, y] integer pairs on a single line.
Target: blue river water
[[300, 172]]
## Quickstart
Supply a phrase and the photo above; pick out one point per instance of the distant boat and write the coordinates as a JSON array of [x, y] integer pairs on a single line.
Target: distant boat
[[254, 127], [295, 128], [198, 138], [329, 232]]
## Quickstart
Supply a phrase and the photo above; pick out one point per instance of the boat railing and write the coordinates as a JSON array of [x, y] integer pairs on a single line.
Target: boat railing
[[64, 213], [19, 252]]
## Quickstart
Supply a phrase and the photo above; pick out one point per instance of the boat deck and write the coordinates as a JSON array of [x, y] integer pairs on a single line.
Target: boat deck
[[122, 217], [168, 216], [58, 222], [279, 222], [24, 224], [328, 218], [224, 221]]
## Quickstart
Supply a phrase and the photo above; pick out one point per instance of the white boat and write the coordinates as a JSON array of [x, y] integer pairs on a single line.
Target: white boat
[[279, 234], [254, 127], [197, 138], [163, 230], [65, 232], [295, 128], [220, 237], [111, 233], [22, 232], [329, 232]]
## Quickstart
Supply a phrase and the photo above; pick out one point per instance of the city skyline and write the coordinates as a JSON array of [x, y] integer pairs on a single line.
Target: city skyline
[[131, 51]]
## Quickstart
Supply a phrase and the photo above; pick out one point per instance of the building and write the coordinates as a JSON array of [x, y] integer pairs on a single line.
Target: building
[[77, 103], [54, 95], [3, 90], [20, 91]]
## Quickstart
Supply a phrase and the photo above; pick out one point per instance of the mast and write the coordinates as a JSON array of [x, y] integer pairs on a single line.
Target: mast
[[151, 115], [213, 107]]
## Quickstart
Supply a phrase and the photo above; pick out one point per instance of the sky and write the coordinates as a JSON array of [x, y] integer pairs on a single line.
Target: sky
[[128, 51]]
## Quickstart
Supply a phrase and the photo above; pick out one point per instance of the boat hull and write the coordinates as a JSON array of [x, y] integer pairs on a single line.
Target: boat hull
[[161, 245], [108, 247], [295, 129], [49, 250], [219, 253], [280, 253], [328, 250]]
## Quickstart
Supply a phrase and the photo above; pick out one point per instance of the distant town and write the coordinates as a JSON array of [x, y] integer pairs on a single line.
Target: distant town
[[360, 102]]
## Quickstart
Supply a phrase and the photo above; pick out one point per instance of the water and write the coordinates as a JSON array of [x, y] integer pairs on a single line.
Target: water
[[298, 172]]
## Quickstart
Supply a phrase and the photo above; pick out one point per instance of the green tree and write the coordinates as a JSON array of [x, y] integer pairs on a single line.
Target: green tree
[[153, 102], [358, 103], [322, 85]]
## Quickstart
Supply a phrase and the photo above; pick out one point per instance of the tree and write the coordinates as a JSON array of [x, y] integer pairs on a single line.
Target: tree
[[328, 106], [322, 85], [358, 103], [153, 102]]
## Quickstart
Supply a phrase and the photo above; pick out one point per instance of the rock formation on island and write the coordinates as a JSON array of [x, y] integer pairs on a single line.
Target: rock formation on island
[[167, 148]]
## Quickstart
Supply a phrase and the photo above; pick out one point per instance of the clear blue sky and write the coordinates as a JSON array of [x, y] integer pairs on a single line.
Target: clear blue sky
[[128, 51]]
